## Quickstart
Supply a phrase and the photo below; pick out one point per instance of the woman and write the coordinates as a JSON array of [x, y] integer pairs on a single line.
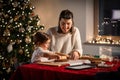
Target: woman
[[66, 37]]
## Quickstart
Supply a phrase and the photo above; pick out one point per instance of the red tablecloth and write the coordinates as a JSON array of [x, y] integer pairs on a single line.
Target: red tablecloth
[[44, 72]]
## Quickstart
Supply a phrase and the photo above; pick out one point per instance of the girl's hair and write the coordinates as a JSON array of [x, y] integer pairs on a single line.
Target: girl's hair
[[65, 14], [41, 37]]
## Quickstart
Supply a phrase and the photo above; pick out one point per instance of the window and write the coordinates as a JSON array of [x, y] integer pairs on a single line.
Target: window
[[107, 19]]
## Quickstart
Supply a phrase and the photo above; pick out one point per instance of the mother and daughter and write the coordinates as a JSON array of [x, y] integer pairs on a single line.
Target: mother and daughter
[[63, 39]]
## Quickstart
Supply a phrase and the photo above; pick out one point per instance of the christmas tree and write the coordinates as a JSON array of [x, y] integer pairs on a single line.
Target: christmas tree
[[18, 23]]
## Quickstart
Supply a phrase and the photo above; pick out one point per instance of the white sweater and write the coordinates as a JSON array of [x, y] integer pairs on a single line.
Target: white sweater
[[65, 43], [38, 54]]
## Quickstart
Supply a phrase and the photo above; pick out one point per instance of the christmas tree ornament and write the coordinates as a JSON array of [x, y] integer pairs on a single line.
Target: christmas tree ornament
[[11, 20], [16, 17], [20, 51], [15, 4], [10, 47], [27, 39], [21, 29], [6, 32]]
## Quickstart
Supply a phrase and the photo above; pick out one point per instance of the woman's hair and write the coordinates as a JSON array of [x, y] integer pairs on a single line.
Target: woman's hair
[[41, 37], [65, 14]]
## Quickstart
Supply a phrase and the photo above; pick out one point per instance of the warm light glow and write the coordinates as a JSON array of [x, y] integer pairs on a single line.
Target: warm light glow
[[107, 40]]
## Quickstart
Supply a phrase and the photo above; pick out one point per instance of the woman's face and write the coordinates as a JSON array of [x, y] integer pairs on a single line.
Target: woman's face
[[65, 25]]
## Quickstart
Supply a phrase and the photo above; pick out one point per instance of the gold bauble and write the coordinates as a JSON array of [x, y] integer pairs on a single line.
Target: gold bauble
[[6, 32], [27, 39], [20, 51]]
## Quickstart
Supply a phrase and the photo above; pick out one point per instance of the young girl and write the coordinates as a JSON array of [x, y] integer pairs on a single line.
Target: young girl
[[42, 42]]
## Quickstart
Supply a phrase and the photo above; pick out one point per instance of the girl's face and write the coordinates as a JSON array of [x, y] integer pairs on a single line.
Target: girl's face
[[65, 25], [45, 45]]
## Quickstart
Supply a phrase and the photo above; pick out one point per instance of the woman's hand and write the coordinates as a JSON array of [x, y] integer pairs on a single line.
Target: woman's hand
[[74, 55], [62, 54]]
